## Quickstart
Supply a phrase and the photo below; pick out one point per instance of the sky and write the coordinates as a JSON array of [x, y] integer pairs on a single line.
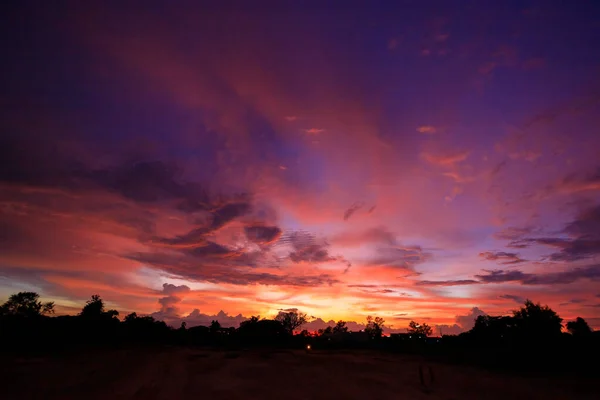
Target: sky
[[425, 160]]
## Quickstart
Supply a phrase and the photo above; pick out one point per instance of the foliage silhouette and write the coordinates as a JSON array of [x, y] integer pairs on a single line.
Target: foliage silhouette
[[215, 327], [535, 322], [579, 327], [26, 304], [374, 328], [325, 331], [529, 338], [290, 320], [340, 327], [419, 329]]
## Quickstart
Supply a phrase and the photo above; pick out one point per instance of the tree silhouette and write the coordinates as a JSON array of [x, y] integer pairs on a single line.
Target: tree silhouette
[[26, 304], [340, 327], [215, 326], [94, 309], [374, 327], [325, 331], [579, 327], [537, 321], [130, 317], [419, 329], [291, 320], [304, 333]]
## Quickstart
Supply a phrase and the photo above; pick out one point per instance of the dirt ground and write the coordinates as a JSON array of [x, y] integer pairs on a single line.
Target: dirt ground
[[179, 373]]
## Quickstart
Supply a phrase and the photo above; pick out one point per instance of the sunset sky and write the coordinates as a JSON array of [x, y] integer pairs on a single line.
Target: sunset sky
[[430, 161]]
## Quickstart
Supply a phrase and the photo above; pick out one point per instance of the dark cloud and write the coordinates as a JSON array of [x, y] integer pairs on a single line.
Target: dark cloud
[[583, 239], [170, 289], [403, 257], [458, 282], [228, 212], [552, 278], [353, 208], [146, 181], [502, 256], [313, 253], [262, 234], [380, 289], [572, 301], [517, 299], [307, 248], [230, 269], [217, 218]]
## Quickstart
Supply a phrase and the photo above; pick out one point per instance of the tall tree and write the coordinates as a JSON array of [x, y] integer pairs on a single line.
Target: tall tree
[[94, 308], [375, 327], [290, 320], [537, 321], [26, 304]]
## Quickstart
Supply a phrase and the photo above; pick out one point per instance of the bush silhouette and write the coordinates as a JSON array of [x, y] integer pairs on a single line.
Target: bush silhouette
[[579, 328]]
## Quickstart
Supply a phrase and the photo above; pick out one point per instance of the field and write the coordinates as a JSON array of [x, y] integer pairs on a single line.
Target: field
[[180, 373]]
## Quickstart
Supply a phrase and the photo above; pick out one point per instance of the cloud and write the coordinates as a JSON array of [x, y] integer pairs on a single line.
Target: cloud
[[377, 235], [291, 118], [226, 270], [575, 183], [307, 249], [502, 256], [171, 300], [552, 278], [402, 257], [263, 234], [314, 131], [196, 318], [513, 233], [583, 241], [517, 299], [427, 129], [468, 321], [353, 208], [458, 282], [380, 289], [448, 159], [463, 323]]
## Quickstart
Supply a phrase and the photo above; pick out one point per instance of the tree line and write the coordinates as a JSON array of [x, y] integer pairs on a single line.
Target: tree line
[[533, 333]]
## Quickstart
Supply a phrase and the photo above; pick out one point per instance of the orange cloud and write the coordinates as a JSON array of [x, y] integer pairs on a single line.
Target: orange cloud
[[427, 129]]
